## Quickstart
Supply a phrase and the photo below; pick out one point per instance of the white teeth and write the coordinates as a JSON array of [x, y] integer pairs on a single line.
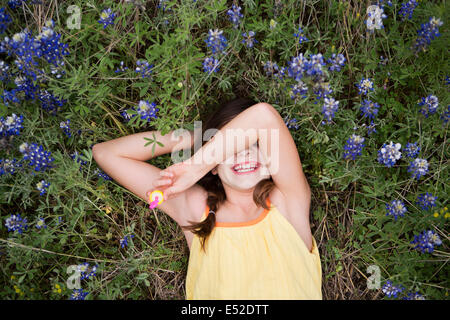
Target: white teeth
[[246, 170]]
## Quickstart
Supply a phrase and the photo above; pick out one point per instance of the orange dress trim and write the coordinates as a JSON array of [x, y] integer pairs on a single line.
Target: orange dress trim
[[262, 215]]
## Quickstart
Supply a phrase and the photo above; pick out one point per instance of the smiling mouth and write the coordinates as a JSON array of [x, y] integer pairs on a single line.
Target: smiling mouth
[[247, 167]]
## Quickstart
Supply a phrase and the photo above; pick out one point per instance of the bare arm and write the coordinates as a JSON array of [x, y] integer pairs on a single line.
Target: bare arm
[[123, 159]]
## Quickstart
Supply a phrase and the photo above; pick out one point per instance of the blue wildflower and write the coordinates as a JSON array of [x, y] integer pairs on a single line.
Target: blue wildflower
[[297, 66], [369, 109], [426, 241], [248, 39], [163, 6], [301, 37], [144, 68], [122, 68], [124, 241], [426, 201], [78, 294], [49, 45], [375, 18], [51, 103], [396, 209], [353, 147], [41, 223], [36, 156], [16, 223], [445, 116], [235, 15], [428, 31], [76, 156], [9, 166], [414, 296], [26, 85], [216, 41], [291, 123], [364, 86], [371, 128], [329, 107], [321, 90], [107, 17], [390, 290], [418, 167], [429, 105], [86, 271], [300, 89], [65, 125], [314, 65], [102, 175], [5, 20], [146, 111], [337, 61], [11, 126], [411, 150], [5, 75], [407, 9], [211, 64], [42, 186], [389, 154]]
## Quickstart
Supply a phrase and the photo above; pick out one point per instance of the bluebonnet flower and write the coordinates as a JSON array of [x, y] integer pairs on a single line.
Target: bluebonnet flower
[[369, 109], [426, 201], [144, 68], [5, 20], [36, 156], [124, 241], [101, 174], [26, 85], [65, 125], [248, 39], [364, 86], [41, 224], [389, 154], [76, 156], [428, 31], [235, 15], [122, 68], [411, 150], [445, 116], [107, 17], [430, 105], [216, 41], [418, 167], [291, 123], [281, 74], [447, 80], [321, 90], [78, 294], [396, 209], [57, 71], [13, 4], [390, 290], [42, 186], [337, 61], [298, 89], [86, 271], [329, 107], [51, 103], [163, 6], [314, 65], [407, 9], [426, 241], [414, 296], [271, 68], [11, 126], [9, 95], [375, 18], [9, 166], [297, 66], [16, 223], [127, 116], [210, 64], [353, 147], [300, 36], [146, 110], [49, 45], [4, 72], [371, 128]]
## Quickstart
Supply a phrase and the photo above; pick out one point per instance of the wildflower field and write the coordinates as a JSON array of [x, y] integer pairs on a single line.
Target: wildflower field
[[363, 87]]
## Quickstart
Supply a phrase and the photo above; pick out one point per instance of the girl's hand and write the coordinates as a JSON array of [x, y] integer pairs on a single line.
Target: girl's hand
[[179, 177]]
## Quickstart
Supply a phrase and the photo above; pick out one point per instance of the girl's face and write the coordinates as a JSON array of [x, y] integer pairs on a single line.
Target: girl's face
[[244, 170]]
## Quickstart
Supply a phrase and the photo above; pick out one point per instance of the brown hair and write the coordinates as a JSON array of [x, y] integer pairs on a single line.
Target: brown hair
[[212, 183]]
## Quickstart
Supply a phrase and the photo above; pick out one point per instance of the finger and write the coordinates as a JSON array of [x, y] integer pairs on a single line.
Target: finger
[[161, 182]]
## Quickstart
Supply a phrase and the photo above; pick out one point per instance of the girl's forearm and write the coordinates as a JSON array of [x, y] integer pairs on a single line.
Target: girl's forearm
[[245, 128], [133, 146]]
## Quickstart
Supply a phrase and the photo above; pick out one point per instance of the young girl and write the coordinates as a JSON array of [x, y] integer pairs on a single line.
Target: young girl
[[244, 208]]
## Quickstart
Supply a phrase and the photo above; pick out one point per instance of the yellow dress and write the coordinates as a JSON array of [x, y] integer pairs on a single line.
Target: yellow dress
[[264, 258]]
